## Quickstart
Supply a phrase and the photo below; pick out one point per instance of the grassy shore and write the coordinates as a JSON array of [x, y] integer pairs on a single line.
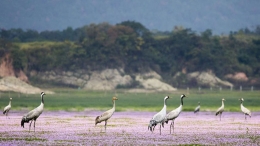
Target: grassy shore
[[78, 100]]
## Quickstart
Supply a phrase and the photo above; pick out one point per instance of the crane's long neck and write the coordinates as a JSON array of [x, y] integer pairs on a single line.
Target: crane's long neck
[[222, 103], [42, 99], [10, 102], [241, 103], [114, 104], [164, 102], [181, 101], [164, 105], [180, 107]]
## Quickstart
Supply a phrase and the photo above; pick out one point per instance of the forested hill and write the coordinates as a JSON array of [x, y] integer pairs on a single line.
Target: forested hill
[[135, 48]]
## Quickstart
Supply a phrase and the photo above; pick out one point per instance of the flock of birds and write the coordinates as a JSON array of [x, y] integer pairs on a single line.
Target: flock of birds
[[159, 118], [162, 117]]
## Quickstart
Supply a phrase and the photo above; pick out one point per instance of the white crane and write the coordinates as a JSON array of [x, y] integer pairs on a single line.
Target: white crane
[[7, 108], [159, 117], [244, 110], [221, 109], [106, 115], [197, 109], [33, 114], [174, 114]]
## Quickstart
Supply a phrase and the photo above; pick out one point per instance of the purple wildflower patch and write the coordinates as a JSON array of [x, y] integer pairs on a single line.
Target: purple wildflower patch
[[130, 128]]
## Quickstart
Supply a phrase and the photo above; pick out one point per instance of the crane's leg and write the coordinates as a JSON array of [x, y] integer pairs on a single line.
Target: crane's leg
[[34, 125], [245, 116], [171, 128], [30, 126], [162, 124], [160, 130], [105, 126], [220, 116]]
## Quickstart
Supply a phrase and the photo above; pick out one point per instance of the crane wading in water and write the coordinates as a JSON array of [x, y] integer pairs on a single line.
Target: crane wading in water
[[158, 118], [33, 114], [244, 109], [221, 109], [7, 108], [106, 115], [174, 114]]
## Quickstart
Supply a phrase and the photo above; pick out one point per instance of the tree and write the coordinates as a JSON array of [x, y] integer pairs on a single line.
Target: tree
[[19, 58]]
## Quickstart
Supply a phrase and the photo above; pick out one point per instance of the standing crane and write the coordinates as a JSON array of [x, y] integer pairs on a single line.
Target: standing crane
[[197, 109], [174, 114], [244, 109], [33, 114], [106, 115], [221, 109], [159, 117], [7, 108]]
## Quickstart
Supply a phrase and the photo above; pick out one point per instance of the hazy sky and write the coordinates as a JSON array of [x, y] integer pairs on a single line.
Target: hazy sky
[[221, 16]]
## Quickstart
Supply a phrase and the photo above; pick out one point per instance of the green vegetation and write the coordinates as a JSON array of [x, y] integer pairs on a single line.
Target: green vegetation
[[78, 100], [132, 46]]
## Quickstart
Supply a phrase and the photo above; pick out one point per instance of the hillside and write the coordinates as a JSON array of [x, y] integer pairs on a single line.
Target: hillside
[[14, 84], [135, 49]]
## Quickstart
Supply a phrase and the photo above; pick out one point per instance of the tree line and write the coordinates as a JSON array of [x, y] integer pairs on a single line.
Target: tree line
[[132, 46]]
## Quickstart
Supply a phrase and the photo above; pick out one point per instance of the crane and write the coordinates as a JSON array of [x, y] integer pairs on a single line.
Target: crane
[[197, 109], [244, 109], [221, 109], [7, 108], [106, 115], [159, 117], [174, 114], [33, 114]]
